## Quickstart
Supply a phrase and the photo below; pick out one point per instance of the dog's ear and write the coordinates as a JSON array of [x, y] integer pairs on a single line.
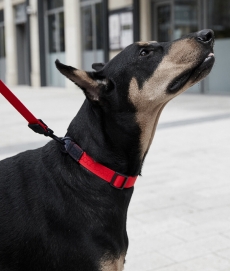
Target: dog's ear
[[87, 81], [98, 66]]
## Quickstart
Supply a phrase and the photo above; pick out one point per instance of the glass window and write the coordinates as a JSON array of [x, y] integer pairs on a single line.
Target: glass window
[[92, 34], [1, 16], [56, 32], [61, 32], [87, 28], [219, 17], [186, 17], [99, 32], [52, 25], [51, 4], [20, 13], [164, 22], [2, 42], [2, 35]]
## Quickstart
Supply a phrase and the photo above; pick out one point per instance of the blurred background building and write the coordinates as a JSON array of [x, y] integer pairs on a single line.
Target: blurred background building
[[33, 33]]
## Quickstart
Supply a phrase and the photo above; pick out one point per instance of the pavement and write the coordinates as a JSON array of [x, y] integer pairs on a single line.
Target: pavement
[[179, 216]]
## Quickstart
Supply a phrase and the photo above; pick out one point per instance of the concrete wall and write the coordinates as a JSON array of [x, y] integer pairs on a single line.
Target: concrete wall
[[145, 20], [72, 35], [34, 44], [10, 39], [16, 2], [116, 4]]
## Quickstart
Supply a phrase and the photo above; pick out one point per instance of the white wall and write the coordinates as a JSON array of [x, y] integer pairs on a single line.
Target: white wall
[[145, 20], [34, 43], [116, 4], [10, 39], [72, 35]]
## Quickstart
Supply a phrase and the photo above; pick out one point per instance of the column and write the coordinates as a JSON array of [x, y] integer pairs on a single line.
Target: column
[[34, 43], [10, 39], [72, 35], [145, 20]]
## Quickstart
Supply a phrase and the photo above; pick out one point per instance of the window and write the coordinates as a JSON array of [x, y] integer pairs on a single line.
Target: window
[[51, 4], [55, 36], [163, 22], [219, 17], [56, 31], [99, 32], [20, 13], [2, 35], [186, 17], [87, 28], [92, 32], [1, 16]]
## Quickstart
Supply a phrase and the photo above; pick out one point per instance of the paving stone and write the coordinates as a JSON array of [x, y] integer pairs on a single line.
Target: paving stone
[[197, 232], [227, 234], [225, 253], [214, 243], [209, 262], [179, 216], [147, 262], [173, 267], [184, 252], [151, 242]]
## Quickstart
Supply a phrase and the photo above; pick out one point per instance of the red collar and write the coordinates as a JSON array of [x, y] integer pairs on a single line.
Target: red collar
[[115, 179]]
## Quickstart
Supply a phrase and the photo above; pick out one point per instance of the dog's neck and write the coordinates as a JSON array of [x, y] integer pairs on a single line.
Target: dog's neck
[[114, 143]]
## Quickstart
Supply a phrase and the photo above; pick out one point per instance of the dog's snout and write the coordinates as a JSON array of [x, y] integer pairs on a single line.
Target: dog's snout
[[205, 36]]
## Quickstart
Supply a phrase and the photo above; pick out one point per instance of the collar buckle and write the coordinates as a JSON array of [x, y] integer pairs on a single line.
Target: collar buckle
[[123, 183]]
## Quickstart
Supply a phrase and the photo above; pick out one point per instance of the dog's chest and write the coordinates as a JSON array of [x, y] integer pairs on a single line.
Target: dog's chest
[[113, 265]]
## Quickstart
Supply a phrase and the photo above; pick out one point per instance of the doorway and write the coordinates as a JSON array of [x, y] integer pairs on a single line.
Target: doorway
[[22, 45], [92, 33], [22, 59], [55, 41]]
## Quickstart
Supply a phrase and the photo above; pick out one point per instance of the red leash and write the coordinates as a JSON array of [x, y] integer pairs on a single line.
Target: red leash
[[20, 106], [37, 125], [115, 179]]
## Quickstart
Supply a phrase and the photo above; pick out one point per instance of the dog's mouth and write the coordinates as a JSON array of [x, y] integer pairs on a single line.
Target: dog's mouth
[[194, 75]]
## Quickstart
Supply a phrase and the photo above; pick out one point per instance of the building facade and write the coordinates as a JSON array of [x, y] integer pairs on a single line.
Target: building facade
[[34, 33]]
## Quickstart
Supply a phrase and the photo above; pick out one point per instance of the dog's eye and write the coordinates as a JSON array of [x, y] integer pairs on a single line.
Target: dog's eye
[[144, 52]]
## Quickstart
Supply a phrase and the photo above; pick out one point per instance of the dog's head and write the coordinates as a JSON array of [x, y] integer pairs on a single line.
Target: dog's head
[[145, 76]]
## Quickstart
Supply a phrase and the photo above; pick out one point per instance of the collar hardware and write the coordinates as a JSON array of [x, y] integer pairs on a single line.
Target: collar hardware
[[117, 175], [72, 149]]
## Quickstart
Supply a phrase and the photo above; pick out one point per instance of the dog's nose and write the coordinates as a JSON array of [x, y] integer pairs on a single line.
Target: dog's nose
[[205, 36]]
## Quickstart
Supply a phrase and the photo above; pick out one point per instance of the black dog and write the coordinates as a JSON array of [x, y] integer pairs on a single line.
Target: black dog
[[55, 214]]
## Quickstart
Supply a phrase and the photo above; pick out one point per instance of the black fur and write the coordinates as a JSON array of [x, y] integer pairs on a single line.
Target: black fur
[[54, 214]]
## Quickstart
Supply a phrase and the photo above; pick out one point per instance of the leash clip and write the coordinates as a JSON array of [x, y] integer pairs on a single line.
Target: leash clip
[[43, 129]]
